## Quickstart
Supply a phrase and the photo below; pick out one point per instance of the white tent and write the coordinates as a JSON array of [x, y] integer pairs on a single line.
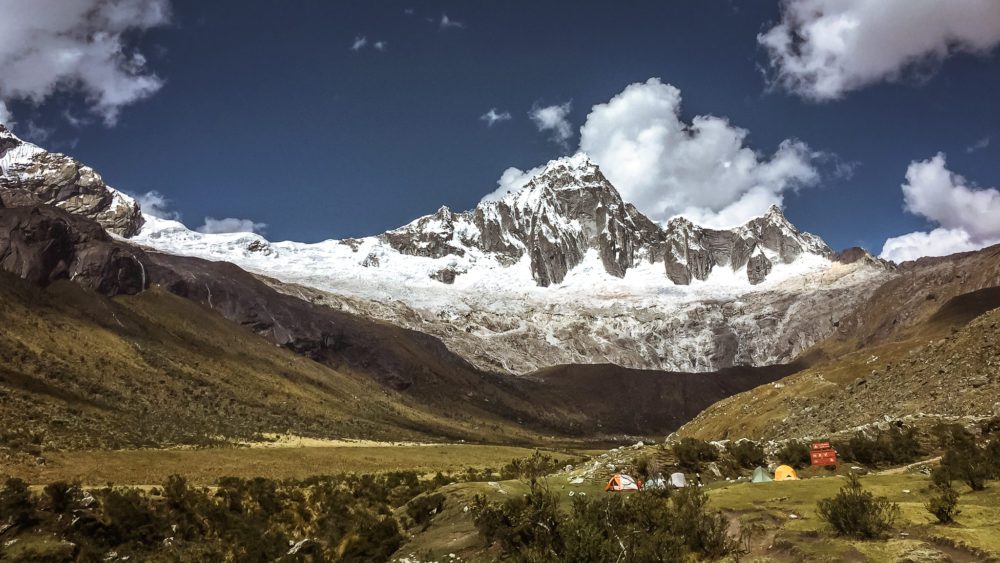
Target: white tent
[[657, 482], [678, 480]]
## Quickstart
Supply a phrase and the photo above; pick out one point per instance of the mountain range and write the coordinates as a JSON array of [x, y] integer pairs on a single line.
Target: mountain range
[[507, 320]]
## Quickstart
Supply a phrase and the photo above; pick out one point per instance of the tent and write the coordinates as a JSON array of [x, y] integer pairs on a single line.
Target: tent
[[657, 482], [785, 473], [761, 475], [678, 480], [621, 483]]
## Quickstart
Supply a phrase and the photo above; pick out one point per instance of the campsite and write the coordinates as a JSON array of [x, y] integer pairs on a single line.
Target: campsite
[[776, 519]]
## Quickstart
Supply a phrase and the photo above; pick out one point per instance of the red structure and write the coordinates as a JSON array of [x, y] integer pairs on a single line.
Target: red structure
[[822, 454]]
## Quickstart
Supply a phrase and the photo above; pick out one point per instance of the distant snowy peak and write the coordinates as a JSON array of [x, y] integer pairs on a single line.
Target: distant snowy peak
[[30, 175], [569, 209]]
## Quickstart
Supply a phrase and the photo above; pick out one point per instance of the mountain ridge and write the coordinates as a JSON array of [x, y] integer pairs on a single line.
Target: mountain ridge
[[561, 271]]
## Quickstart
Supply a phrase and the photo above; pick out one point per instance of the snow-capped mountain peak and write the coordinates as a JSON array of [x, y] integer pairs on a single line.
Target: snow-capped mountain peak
[[32, 175]]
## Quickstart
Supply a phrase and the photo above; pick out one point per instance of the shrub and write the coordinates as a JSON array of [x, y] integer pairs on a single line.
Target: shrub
[[59, 495], [646, 526], [423, 509], [646, 467], [747, 453], [966, 461], [795, 454], [691, 452], [858, 513], [528, 525], [530, 468], [943, 503], [895, 446], [16, 505]]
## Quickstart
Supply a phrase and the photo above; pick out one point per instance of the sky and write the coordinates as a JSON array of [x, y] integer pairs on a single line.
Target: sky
[[872, 123]]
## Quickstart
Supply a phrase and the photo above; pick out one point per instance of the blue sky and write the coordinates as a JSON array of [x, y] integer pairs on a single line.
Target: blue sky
[[266, 113]]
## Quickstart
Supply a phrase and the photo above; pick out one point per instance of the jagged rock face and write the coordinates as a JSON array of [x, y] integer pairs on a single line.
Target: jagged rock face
[[43, 244], [570, 209], [561, 214], [692, 252], [32, 176]]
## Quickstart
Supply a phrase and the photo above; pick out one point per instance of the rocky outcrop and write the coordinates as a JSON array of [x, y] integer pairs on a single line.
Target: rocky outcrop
[[30, 176], [692, 252], [43, 244], [565, 211], [570, 209]]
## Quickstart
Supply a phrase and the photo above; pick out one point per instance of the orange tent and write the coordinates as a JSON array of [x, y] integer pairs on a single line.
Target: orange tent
[[621, 483], [785, 473]]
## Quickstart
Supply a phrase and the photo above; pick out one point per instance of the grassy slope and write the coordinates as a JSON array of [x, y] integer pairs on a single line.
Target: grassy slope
[[156, 369], [938, 367]]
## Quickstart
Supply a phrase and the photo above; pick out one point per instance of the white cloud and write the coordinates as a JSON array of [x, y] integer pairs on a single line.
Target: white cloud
[[978, 145], [969, 216], [823, 49], [49, 46], [447, 23], [553, 118], [359, 43], [939, 242], [230, 225], [703, 170], [155, 204], [5, 116], [512, 180], [381, 45], [493, 117]]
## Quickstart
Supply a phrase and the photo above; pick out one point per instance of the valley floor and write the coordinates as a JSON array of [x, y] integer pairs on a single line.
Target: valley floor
[[206, 466]]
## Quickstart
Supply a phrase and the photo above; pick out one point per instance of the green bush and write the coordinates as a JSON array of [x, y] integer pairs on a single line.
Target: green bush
[[795, 454], [16, 505], [895, 446], [747, 453], [423, 509], [965, 459], [531, 468], [59, 496], [858, 513], [691, 453], [646, 526], [943, 503]]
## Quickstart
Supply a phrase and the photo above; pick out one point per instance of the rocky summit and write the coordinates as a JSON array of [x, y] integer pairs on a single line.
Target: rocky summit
[[30, 175], [570, 208]]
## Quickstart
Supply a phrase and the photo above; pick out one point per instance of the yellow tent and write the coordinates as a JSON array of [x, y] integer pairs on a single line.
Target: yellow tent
[[785, 473]]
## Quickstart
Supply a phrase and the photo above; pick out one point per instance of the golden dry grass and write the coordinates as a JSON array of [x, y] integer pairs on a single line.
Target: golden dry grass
[[207, 466]]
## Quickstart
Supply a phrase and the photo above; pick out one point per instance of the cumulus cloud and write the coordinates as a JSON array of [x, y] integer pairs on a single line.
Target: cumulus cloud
[[553, 119], [5, 115], [230, 225], [703, 170], [968, 215], [155, 204], [359, 43], [447, 23], [50, 46], [493, 117], [512, 180], [822, 49]]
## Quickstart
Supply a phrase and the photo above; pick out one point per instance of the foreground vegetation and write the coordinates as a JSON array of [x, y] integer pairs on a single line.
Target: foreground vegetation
[[345, 518]]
